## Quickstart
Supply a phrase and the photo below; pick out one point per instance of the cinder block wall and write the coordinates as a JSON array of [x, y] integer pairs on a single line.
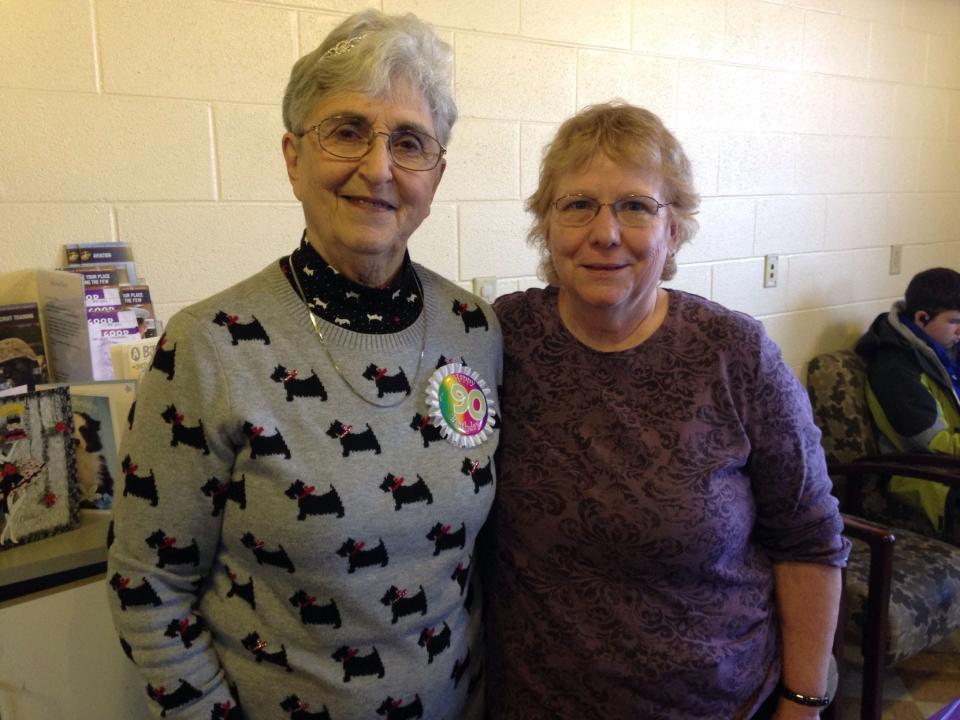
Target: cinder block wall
[[822, 131]]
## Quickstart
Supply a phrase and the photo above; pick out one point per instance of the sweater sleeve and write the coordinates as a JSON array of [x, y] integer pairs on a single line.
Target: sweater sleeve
[[165, 537], [797, 517]]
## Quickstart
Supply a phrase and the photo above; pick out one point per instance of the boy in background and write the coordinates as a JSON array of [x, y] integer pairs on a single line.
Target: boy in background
[[913, 382]]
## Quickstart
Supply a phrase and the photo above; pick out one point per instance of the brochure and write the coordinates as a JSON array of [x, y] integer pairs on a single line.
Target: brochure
[[89, 255], [22, 355]]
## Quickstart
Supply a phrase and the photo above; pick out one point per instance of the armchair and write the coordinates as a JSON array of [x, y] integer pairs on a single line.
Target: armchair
[[902, 586]]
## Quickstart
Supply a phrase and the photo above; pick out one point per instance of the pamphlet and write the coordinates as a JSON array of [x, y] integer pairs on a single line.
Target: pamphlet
[[22, 355], [90, 255]]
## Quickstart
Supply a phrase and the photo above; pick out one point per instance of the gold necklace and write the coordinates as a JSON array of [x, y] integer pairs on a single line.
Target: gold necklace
[[326, 349]]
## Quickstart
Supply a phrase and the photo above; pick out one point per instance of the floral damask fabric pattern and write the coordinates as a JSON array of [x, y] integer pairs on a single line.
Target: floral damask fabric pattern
[[643, 496]]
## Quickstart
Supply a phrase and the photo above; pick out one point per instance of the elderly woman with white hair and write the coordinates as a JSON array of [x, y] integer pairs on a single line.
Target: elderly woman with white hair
[[310, 459]]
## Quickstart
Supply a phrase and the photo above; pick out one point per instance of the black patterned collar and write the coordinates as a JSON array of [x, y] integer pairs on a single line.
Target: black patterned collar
[[337, 299]]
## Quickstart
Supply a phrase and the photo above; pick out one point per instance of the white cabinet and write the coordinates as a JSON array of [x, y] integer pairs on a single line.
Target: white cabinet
[[60, 658]]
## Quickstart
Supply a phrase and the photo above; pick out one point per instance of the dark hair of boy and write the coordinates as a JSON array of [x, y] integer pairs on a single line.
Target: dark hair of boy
[[933, 291]]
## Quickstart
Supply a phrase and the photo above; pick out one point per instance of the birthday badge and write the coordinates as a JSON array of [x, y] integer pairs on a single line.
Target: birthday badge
[[459, 403]]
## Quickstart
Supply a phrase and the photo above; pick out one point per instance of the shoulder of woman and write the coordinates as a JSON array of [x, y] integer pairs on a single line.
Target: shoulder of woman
[[513, 306], [238, 303], [714, 319]]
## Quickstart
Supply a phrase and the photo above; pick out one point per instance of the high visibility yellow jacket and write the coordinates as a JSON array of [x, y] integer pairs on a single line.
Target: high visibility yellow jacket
[[913, 403]]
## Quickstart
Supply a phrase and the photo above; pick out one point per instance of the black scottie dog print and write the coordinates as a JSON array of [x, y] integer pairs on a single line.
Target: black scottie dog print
[[295, 387], [252, 330], [184, 693], [404, 494], [353, 442], [127, 650], [169, 554], [244, 591], [261, 444], [481, 475], [443, 539], [460, 669], [226, 710], [313, 614], [444, 360], [471, 318], [186, 631], [164, 360], [396, 710], [363, 558], [326, 504], [130, 414], [356, 665], [428, 431], [300, 710], [192, 436], [258, 646], [387, 383], [461, 574], [141, 486], [220, 492], [434, 642], [131, 596], [401, 605], [277, 558]]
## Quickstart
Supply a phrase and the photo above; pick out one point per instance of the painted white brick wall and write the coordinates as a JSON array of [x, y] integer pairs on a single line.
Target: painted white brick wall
[[820, 130]]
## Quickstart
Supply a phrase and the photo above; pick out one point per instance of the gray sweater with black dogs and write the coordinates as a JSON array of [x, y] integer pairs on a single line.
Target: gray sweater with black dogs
[[284, 548]]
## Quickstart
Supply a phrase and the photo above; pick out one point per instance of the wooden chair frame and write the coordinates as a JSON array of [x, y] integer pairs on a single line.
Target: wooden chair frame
[[881, 542]]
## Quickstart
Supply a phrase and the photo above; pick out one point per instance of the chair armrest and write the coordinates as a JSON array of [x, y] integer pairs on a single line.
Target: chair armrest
[[886, 466], [948, 462], [874, 535]]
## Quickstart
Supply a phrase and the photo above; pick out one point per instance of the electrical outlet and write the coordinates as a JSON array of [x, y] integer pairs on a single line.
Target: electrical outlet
[[770, 263], [486, 287], [896, 256]]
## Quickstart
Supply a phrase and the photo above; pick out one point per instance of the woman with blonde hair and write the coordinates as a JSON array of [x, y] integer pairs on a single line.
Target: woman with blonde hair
[[664, 541]]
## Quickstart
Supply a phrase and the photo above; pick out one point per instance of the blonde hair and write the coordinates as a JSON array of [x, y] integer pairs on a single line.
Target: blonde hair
[[628, 135]]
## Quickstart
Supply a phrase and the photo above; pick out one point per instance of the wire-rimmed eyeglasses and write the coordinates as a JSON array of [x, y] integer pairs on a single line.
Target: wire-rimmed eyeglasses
[[631, 210], [351, 137]]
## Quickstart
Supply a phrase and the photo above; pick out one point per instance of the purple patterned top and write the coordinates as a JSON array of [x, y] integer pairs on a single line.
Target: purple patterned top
[[642, 497]]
